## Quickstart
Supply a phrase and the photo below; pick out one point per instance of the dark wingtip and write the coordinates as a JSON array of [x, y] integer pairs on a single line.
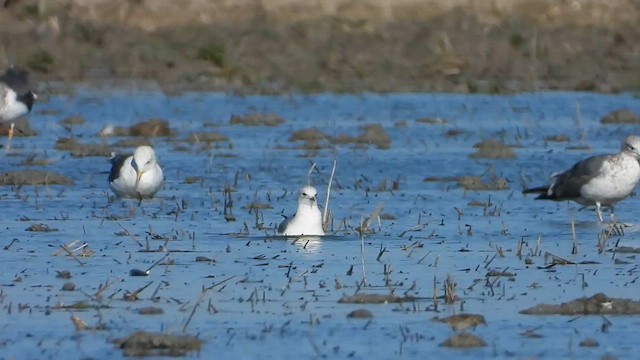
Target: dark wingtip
[[536, 190]]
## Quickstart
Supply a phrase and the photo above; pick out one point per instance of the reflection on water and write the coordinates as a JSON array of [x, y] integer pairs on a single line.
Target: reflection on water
[[310, 244]]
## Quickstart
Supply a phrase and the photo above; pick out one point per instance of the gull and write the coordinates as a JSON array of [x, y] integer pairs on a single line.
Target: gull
[[137, 175], [600, 180], [12, 104], [307, 219]]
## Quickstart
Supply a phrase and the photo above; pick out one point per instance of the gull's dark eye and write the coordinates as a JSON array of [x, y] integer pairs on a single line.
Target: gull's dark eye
[[304, 194], [630, 147]]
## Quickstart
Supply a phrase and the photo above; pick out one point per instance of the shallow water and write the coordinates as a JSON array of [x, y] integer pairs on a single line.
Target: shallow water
[[280, 299]]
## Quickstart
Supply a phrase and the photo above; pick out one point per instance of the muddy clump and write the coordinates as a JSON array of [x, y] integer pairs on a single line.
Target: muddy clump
[[360, 314], [311, 134], [557, 138], [72, 121], [271, 120], [147, 129], [477, 183], [207, 137], [77, 149], [622, 116], [371, 134], [34, 177], [463, 341], [40, 228], [132, 142], [143, 343], [492, 149], [431, 121], [374, 299], [598, 304]]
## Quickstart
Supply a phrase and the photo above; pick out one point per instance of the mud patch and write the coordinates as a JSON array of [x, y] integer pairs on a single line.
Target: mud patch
[[77, 149], [148, 129], [374, 299], [477, 183], [492, 149], [207, 137], [371, 134], [271, 120], [623, 116], [143, 343], [34, 177], [598, 304]]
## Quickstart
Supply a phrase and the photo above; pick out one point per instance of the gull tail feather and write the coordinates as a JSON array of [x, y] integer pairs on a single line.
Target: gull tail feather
[[536, 190], [543, 192]]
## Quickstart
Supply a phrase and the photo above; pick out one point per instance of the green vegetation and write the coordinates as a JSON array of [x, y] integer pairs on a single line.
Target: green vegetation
[[213, 53], [40, 60]]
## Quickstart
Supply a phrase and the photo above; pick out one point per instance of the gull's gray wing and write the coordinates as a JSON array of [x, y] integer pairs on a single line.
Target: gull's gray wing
[[567, 185], [283, 225], [117, 161]]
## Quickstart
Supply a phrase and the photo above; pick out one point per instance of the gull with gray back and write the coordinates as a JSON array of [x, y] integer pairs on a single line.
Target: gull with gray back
[[600, 180]]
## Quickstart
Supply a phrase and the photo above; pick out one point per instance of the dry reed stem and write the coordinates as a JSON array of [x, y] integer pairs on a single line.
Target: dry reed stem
[[326, 204]]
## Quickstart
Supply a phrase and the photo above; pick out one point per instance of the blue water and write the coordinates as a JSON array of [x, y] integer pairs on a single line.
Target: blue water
[[297, 314]]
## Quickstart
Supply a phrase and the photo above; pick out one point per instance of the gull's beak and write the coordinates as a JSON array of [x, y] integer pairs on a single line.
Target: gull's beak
[[138, 177]]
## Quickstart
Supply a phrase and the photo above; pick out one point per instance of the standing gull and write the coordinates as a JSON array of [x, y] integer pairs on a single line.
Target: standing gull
[[137, 175], [600, 180], [12, 104], [307, 219]]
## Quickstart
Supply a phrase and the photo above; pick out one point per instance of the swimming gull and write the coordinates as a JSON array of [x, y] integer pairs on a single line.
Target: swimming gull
[[307, 219], [137, 175], [12, 104], [600, 180]]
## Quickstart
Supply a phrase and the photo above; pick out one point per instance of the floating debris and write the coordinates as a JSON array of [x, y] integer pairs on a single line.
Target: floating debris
[[138, 272], [150, 310], [622, 116], [143, 343], [598, 304], [374, 299], [272, 120], [589, 342], [463, 341], [360, 314], [34, 177], [68, 286], [492, 149], [431, 121], [557, 138], [40, 228], [64, 274], [204, 259]]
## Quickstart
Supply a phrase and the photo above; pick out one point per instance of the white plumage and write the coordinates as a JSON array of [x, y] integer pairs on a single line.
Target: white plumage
[[137, 175], [307, 219]]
